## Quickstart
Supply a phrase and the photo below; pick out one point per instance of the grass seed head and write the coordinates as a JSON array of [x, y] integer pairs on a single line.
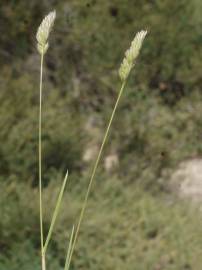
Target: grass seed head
[[44, 31], [131, 55]]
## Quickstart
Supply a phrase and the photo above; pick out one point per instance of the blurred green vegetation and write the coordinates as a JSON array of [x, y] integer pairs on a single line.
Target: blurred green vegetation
[[131, 222], [122, 229]]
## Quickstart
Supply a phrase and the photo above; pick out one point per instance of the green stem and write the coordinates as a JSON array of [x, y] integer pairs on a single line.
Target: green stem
[[94, 171], [40, 162], [43, 261]]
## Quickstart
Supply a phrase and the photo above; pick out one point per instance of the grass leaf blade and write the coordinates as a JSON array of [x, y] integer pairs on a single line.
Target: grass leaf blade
[[56, 211], [67, 261]]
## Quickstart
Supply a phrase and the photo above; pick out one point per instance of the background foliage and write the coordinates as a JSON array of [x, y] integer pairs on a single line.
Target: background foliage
[[131, 222]]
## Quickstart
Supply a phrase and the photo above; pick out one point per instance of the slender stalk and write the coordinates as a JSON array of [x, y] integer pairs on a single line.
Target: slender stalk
[[42, 46], [43, 261], [93, 173], [40, 164]]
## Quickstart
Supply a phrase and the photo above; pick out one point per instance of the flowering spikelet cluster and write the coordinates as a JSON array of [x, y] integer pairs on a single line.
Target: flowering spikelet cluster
[[44, 31], [131, 55]]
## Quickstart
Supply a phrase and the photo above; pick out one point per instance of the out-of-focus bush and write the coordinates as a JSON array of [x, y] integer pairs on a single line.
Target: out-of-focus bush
[[82, 63], [61, 136], [127, 229], [85, 56], [86, 52], [155, 137]]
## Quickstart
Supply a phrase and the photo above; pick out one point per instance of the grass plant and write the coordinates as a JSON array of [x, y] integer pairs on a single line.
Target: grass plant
[[124, 71]]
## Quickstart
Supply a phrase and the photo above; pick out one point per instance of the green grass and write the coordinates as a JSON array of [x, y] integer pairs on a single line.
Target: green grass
[[124, 228], [127, 64]]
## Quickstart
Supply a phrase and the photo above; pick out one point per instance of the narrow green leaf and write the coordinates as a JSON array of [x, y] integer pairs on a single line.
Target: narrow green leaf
[[55, 213], [67, 261]]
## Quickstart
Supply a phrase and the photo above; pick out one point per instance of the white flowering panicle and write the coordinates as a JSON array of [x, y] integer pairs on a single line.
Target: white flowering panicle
[[44, 31], [131, 55]]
